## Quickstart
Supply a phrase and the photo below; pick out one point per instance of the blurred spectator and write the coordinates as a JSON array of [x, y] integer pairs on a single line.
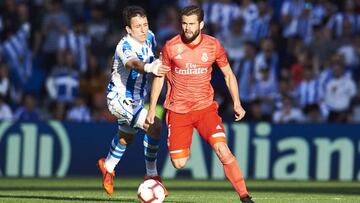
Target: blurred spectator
[[297, 69], [244, 71], [221, 16], [321, 45], [307, 92], [261, 24], [291, 10], [305, 23], [58, 110], [249, 12], [319, 11], [63, 82], [255, 112], [98, 29], [284, 90], [9, 16], [5, 110], [288, 113], [233, 41], [168, 25], [4, 81], [79, 112], [17, 55], [346, 21], [267, 57], [55, 23], [265, 89], [77, 42], [338, 93], [29, 110], [93, 81], [313, 114]]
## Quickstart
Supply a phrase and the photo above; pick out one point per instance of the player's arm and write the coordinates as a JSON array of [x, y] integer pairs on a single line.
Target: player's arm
[[231, 83], [154, 67], [156, 87]]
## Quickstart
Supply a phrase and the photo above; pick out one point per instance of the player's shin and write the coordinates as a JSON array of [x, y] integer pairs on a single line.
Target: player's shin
[[151, 146], [115, 154], [233, 173]]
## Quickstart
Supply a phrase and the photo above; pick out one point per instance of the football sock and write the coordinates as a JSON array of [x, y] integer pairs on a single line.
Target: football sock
[[151, 146], [115, 153], [233, 173]]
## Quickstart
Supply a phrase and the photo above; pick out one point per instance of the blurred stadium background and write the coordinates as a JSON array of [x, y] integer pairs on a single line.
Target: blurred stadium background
[[298, 68]]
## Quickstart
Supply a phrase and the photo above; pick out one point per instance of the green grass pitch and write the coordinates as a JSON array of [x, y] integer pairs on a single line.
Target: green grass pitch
[[181, 190]]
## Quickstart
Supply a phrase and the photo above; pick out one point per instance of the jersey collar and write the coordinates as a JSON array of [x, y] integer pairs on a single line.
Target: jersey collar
[[135, 42]]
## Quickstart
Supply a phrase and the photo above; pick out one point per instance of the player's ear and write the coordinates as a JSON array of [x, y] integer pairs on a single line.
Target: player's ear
[[202, 25], [128, 30]]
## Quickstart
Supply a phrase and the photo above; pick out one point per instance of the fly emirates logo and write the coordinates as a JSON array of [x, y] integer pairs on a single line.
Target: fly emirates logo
[[191, 69]]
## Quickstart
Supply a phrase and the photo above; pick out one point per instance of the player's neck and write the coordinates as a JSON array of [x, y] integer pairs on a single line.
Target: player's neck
[[135, 40]]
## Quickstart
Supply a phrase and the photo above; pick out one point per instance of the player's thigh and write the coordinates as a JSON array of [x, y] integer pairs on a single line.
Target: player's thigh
[[180, 132], [210, 126], [126, 135], [130, 113]]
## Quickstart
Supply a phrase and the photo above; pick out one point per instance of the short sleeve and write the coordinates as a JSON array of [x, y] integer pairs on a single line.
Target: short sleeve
[[221, 58], [165, 56], [123, 50]]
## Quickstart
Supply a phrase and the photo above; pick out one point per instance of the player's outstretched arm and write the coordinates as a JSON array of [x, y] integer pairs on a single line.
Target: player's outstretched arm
[[156, 87], [156, 67], [231, 83]]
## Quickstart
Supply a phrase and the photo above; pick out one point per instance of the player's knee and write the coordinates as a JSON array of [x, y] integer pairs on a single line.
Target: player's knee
[[223, 152], [125, 139], [179, 163], [155, 129]]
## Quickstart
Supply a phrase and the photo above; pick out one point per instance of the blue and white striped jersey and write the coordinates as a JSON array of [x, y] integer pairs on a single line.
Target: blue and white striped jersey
[[128, 82]]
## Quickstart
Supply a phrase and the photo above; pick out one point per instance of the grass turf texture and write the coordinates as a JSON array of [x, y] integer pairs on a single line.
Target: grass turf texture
[[181, 191]]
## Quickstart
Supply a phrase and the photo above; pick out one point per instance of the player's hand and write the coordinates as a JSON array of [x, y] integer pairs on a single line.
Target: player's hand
[[150, 117], [163, 70], [239, 112], [156, 67]]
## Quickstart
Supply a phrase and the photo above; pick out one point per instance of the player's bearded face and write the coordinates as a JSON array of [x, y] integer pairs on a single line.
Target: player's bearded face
[[190, 27], [139, 28]]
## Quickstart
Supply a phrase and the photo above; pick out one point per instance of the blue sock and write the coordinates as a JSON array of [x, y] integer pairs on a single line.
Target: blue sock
[[116, 151], [151, 147]]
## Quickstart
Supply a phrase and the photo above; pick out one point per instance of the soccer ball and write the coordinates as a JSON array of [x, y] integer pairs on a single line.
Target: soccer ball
[[151, 191]]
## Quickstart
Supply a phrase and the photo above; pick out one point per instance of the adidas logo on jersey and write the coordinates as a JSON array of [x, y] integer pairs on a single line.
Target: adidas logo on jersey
[[178, 56], [218, 127]]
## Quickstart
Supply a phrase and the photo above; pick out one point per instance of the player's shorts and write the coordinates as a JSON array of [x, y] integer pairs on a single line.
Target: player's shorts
[[180, 129], [130, 113]]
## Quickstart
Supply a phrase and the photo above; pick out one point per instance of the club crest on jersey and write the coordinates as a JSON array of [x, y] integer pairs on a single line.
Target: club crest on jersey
[[178, 49], [127, 53], [204, 57]]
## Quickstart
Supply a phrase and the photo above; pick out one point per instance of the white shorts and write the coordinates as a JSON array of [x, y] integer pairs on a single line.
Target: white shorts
[[130, 113]]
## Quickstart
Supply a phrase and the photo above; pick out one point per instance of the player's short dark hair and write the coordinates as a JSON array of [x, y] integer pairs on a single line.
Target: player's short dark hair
[[193, 10], [132, 11]]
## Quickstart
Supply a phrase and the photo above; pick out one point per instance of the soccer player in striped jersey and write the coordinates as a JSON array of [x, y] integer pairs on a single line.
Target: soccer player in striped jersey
[[133, 61], [190, 97]]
